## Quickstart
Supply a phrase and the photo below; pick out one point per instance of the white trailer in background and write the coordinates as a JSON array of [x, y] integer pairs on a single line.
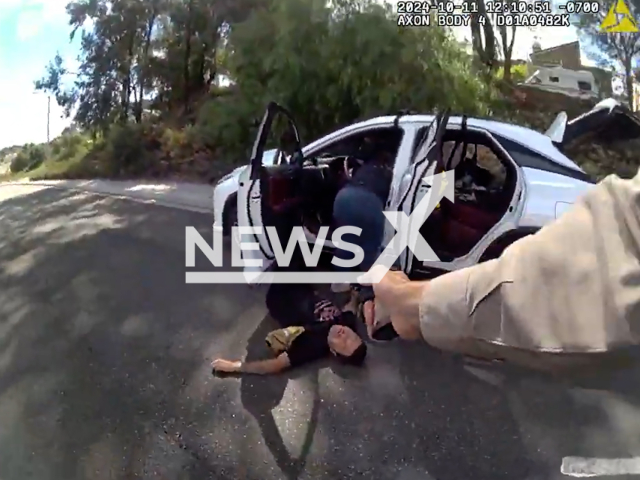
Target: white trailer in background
[[574, 83]]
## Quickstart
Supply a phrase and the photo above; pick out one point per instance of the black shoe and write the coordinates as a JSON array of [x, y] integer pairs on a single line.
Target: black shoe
[[385, 333]]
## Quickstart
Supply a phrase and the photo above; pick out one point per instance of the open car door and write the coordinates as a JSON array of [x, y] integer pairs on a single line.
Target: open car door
[[251, 190], [608, 122], [426, 164]]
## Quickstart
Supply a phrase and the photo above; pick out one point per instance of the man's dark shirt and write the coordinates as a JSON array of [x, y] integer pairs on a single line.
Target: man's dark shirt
[[297, 306], [312, 344]]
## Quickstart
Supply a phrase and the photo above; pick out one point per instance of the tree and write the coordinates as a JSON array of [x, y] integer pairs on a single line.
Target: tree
[[491, 38], [161, 51], [330, 62], [507, 40], [335, 64], [612, 49], [483, 38]]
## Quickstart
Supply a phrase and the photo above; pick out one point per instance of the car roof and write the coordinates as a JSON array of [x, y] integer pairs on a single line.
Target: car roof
[[526, 137]]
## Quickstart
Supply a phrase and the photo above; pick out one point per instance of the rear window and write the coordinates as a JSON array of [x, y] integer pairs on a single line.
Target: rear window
[[584, 86], [530, 159]]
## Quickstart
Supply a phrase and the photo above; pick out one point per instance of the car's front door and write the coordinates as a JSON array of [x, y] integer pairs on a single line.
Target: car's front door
[[257, 252]]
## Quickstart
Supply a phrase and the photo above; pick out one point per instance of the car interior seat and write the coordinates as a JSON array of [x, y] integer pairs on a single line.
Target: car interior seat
[[280, 188], [463, 224]]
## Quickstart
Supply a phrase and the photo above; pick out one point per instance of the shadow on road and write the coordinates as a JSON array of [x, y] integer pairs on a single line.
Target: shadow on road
[[100, 338], [261, 395], [104, 373]]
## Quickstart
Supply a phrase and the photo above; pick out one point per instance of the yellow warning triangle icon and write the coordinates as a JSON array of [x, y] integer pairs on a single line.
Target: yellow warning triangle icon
[[619, 19]]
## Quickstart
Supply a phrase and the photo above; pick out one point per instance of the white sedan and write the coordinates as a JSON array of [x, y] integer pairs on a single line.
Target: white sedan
[[510, 180]]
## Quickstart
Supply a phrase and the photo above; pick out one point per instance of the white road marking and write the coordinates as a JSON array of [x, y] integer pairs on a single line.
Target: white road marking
[[599, 467]]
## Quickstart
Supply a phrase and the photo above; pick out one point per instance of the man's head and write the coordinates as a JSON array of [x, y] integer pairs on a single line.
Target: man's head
[[347, 345]]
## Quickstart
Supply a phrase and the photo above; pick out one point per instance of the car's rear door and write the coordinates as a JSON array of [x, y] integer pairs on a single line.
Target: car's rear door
[[424, 182], [250, 197]]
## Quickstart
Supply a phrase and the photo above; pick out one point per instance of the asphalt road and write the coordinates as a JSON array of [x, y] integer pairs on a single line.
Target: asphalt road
[[104, 374]]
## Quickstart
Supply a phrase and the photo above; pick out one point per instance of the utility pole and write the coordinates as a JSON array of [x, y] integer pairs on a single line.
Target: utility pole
[[48, 116]]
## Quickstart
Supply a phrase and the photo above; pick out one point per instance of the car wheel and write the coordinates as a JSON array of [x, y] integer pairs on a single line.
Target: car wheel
[[495, 250], [230, 216], [233, 222]]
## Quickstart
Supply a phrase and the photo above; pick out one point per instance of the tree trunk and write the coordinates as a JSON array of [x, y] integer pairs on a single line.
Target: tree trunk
[[125, 98], [215, 38], [485, 48], [126, 84], [198, 77], [144, 64], [213, 68], [506, 68], [489, 36], [628, 78], [476, 36], [187, 57], [507, 47]]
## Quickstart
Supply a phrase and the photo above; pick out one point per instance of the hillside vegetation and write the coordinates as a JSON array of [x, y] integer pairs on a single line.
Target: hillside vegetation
[[173, 88]]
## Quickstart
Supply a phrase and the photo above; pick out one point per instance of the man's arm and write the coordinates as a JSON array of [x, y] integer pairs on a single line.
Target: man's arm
[[264, 367], [260, 367], [400, 299]]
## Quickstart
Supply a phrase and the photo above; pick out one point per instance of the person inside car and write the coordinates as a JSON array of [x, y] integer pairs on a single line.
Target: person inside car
[[360, 203], [311, 328]]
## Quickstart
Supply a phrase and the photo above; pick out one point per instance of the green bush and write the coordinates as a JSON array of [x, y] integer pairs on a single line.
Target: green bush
[[68, 146], [519, 73], [29, 158], [333, 66], [56, 148], [128, 149], [20, 162], [226, 125]]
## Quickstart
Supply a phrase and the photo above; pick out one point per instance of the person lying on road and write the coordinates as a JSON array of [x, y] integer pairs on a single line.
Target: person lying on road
[[313, 330], [565, 296]]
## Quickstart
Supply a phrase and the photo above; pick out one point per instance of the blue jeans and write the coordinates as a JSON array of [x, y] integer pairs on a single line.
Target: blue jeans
[[355, 206]]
